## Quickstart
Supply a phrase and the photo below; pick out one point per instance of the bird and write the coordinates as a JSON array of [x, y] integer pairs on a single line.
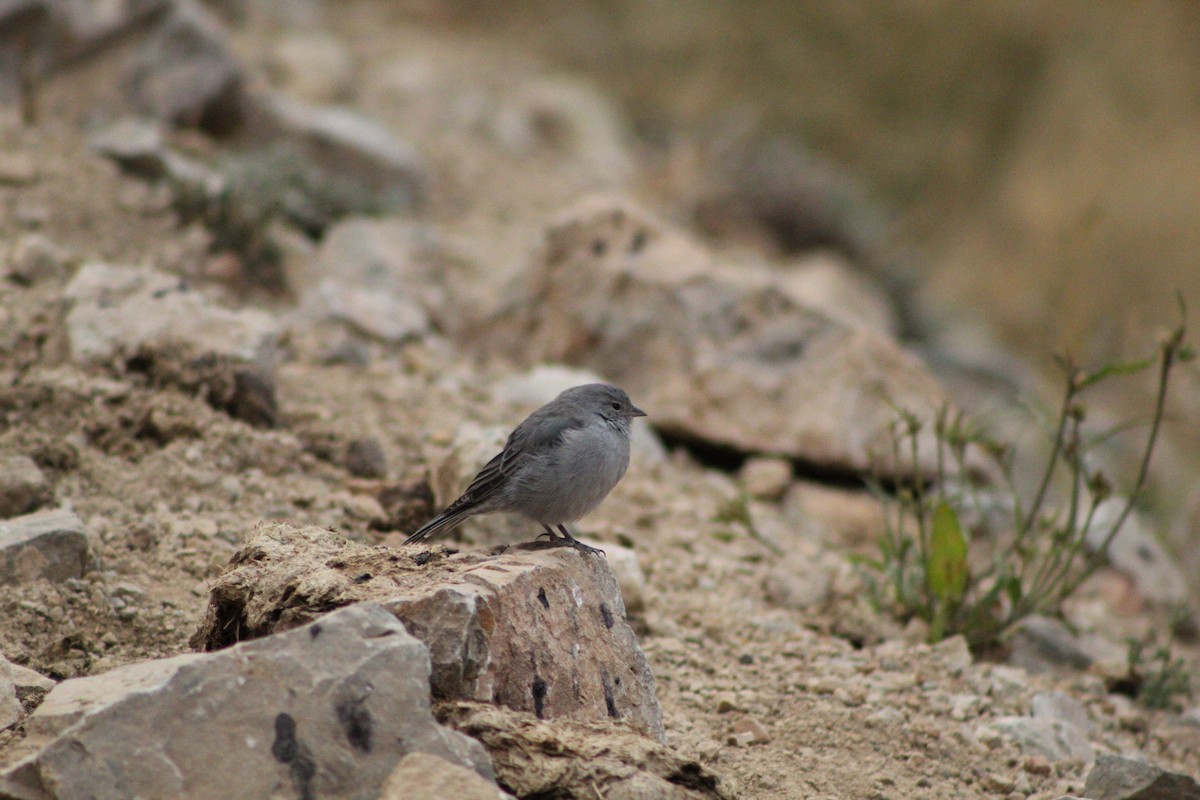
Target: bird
[[555, 467]]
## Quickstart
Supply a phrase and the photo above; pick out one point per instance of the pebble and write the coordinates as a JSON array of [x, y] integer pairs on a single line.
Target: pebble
[[756, 729], [998, 784]]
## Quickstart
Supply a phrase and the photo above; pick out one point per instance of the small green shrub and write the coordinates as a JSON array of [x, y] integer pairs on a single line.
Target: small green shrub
[[1160, 679], [923, 568]]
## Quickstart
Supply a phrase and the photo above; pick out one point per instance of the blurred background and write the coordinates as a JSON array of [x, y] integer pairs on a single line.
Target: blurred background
[[1033, 164]]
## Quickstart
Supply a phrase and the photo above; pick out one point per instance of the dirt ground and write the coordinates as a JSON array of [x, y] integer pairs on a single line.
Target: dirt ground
[[820, 699]]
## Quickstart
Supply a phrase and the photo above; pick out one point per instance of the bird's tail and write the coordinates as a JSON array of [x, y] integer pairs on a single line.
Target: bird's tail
[[448, 519]]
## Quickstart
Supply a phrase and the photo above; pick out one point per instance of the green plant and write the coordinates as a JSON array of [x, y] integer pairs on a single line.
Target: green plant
[[924, 568], [1160, 679]]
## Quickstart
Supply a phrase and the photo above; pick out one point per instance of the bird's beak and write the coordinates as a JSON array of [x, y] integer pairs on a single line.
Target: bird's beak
[[634, 411]]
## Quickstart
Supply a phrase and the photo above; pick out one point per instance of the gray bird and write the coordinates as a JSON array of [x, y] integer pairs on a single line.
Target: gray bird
[[556, 466]]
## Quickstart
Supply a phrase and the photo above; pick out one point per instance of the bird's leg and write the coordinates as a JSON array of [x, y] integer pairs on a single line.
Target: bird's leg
[[570, 540], [551, 535]]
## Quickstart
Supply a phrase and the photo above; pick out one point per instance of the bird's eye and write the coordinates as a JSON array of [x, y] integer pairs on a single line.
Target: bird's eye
[[616, 406]]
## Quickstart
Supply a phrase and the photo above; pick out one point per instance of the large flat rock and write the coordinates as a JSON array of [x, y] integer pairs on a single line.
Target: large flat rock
[[327, 710], [536, 630]]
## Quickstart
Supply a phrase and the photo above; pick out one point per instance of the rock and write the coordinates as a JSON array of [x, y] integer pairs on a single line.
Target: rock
[[1054, 739], [365, 458], [154, 322], [49, 544], [1136, 552], [312, 66], [35, 259], [20, 690], [135, 144], [83, 27], [421, 776], [1117, 778], [1044, 643], [121, 311], [23, 486], [540, 385], [186, 74], [830, 514], [802, 578], [626, 568], [138, 147], [566, 758], [386, 316], [538, 630], [954, 654], [345, 144], [827, 281], [325, 710], [766, 478], [1062, 707], [565, 118], [717, 354]]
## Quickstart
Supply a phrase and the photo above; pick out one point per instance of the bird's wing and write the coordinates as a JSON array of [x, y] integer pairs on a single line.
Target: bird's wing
[[541, 430]]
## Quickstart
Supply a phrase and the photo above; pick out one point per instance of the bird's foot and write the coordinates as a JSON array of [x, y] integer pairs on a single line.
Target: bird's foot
[[584, 548]]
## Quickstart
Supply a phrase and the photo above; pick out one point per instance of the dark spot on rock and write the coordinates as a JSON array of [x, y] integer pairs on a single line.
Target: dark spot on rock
[[1145, 553], [545, 601], [422, 559], [606, 615], [356, 721], [366, 576], [639, 241], [539, 697], [288, 749], [314, 631], [609, 701], [745, 658], [599, 247]]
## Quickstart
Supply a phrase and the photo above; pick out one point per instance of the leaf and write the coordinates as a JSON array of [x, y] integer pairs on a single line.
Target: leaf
[[946, 563], [1109, 370]]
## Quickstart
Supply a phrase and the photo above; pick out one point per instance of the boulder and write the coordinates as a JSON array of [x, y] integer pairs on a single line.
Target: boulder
[[541, 630], [48, 544], [1117, 778], [327, 710], [724, 356]]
